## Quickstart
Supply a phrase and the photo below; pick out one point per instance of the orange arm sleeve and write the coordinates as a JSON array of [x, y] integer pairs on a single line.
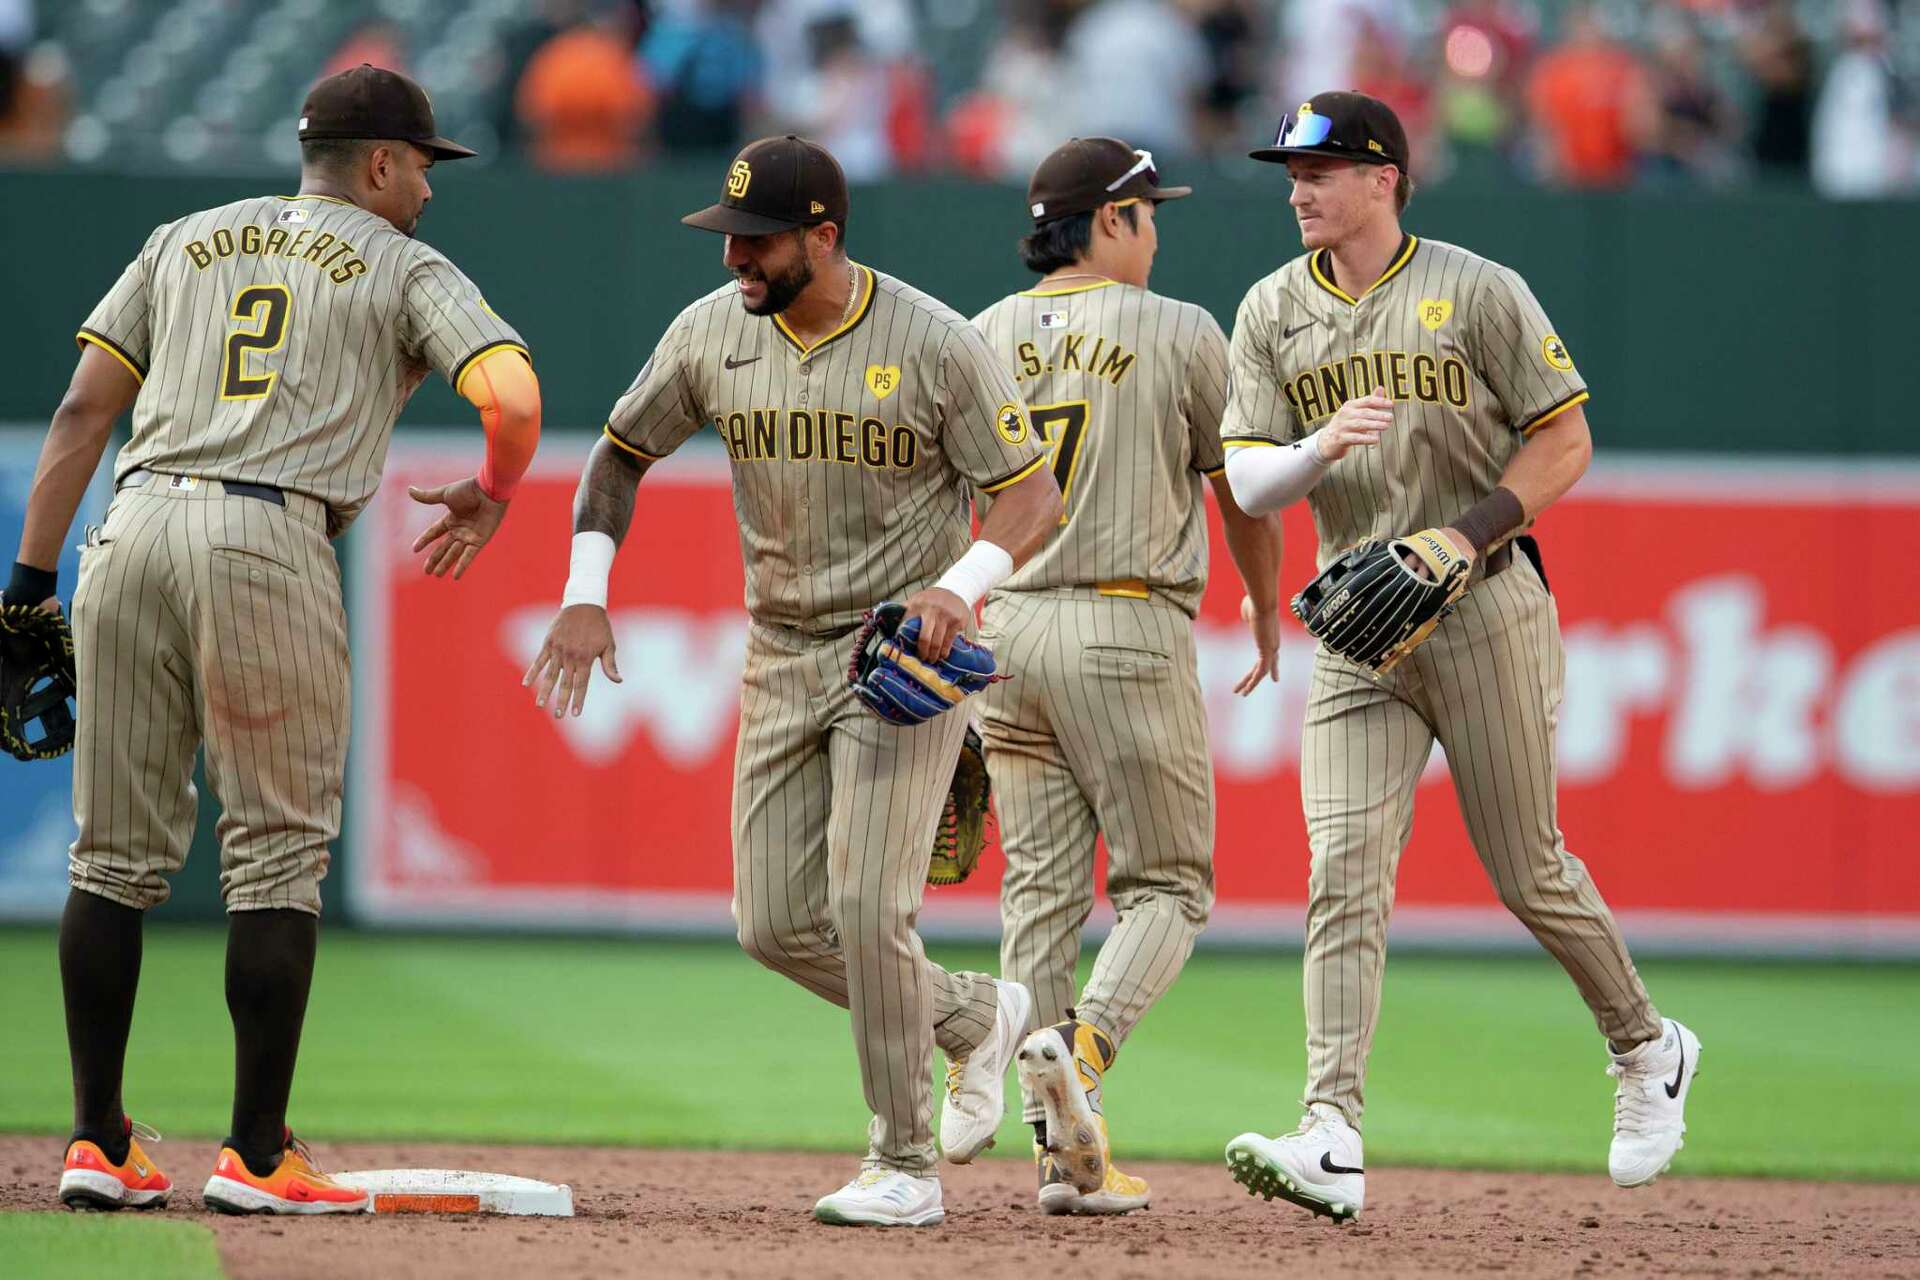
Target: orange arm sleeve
[[503, 388]]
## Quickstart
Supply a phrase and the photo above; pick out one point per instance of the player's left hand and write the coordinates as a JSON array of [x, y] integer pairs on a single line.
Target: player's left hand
[[1461, 547], [1265, 625], [943, 615], [469, 523], [36, 682]]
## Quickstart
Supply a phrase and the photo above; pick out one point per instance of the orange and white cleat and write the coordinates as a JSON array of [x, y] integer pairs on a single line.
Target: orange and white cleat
[[296, 1185], [91, 1181]]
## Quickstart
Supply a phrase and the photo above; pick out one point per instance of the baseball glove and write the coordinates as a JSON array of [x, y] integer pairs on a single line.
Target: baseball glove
[[1374, 608], [36, 682], [889, 677], [962, 833]]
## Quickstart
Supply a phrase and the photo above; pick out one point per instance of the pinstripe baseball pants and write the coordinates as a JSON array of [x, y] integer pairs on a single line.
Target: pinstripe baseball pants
[[1487, 687], [833, 818], [1101, 731], [202, 616]]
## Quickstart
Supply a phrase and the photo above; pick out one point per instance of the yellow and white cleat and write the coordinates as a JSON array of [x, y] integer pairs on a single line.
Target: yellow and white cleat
[[1062, 1066], [1119, 1193]]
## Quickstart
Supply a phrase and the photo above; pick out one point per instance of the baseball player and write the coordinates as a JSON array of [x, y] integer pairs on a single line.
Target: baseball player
[[265, 347], [856, 412], [1408, 385], [1104, 731]]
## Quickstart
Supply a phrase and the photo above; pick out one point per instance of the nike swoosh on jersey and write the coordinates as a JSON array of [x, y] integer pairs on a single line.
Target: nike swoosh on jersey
[[1299, 328], [731, 363]]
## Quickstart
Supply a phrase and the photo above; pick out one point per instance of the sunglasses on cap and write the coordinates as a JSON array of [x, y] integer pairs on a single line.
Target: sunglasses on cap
[[1307, 129], [1142, 163]]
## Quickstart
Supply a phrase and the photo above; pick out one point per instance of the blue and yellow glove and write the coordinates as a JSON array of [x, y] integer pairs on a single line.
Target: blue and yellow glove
[[889, 676]]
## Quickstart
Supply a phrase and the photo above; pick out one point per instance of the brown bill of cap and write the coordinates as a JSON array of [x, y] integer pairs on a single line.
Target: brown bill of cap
[[1360, 128]]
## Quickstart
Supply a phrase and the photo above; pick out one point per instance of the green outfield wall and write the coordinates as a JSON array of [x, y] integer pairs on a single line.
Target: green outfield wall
[[1751, 322]]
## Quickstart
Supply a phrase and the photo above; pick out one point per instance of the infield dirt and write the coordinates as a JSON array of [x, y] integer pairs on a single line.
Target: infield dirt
[[748, 1217]]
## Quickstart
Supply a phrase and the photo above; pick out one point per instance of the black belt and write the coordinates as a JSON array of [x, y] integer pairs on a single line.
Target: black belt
[[239, 488], [1501, 557], [264, 492]]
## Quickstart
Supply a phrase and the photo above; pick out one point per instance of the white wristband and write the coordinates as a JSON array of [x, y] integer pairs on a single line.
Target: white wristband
[[588, 570], [984, 567]]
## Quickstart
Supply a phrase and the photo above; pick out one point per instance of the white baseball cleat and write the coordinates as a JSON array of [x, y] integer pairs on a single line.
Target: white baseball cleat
[[977, 1083], [883, 1198], [1318, 1166], [1650, 1104]]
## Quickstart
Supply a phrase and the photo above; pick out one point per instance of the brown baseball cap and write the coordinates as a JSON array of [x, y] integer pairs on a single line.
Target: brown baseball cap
[[1345, 125], [1084, 173], [777, 184], [373, 102]]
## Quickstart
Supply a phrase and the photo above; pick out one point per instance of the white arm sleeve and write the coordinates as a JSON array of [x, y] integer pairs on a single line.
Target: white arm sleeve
[[1268, 479]]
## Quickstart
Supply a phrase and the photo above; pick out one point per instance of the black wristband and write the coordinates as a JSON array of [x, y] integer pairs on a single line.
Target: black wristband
[[29, 586], [1491, 519]]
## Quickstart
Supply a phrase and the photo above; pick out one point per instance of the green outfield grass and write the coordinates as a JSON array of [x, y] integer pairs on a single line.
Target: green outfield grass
[[58, 1246], [1489, 1062]]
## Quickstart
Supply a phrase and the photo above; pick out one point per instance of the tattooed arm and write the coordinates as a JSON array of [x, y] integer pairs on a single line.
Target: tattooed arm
[[581, 632], [604, 501]]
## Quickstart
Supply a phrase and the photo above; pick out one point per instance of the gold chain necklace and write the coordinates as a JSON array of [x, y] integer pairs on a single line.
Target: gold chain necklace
[[853, 293]]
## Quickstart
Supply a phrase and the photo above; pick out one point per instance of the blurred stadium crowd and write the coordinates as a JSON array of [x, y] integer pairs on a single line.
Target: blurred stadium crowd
[[1620, 93]]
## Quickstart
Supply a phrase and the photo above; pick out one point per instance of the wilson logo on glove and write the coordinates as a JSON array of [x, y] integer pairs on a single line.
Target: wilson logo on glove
[[889, 676]]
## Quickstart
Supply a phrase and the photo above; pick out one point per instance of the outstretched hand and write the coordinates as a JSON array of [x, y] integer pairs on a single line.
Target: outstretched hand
[[562, 670], [469, 522]]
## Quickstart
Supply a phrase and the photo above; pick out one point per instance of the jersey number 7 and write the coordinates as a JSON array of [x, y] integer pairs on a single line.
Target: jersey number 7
[[265, 307], [1064, 427]]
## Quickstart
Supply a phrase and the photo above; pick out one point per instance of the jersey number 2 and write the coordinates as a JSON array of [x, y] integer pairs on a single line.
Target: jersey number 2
[[1064, 427], [262, 310]]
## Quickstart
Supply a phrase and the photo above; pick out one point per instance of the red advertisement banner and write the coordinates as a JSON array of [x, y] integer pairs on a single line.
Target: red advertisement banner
[[1739, 745]]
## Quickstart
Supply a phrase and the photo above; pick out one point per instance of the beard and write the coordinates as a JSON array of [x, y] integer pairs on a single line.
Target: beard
[[781, 290]]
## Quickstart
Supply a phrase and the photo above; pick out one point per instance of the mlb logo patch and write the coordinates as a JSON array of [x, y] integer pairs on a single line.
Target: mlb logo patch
[[290, 217], [1052, 319]]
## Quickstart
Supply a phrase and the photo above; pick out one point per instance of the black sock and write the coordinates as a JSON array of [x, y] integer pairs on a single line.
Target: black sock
[[99, 974], [269, 969], [1040, 1133]]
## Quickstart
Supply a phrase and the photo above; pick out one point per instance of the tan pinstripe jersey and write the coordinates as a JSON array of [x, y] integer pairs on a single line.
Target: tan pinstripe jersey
[[853, 459], [1459, 343], [277, 339], [1127, 389]]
